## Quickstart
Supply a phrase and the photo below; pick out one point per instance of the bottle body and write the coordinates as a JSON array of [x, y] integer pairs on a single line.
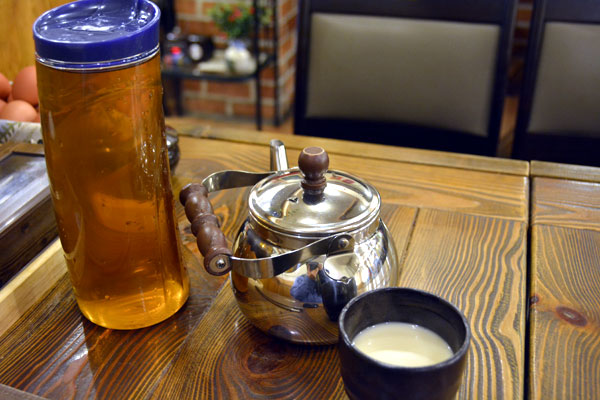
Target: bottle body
[[108, 166]]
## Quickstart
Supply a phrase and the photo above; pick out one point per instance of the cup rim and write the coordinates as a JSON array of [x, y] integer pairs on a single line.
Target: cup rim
[[455, 357]]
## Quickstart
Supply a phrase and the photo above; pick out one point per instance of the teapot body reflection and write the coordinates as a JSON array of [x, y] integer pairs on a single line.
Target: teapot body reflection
[[313, 240]]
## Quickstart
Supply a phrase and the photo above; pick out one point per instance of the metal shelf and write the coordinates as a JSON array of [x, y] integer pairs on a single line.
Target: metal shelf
[[263, 60], [192, 72]]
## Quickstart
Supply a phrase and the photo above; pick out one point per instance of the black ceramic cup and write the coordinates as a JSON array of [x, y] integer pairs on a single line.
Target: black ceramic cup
[[367, 378]]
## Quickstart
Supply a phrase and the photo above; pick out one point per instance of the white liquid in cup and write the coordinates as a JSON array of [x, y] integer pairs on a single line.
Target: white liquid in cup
[[402, 344]]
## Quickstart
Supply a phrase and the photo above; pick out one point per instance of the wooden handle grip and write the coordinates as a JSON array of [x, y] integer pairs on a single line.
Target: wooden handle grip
[[211, 241]]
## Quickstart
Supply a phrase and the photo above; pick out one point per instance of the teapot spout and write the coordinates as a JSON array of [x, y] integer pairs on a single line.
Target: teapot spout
[[279, 160]]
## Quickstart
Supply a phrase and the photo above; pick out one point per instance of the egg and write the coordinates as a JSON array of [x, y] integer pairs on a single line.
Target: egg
[[4, 87], [19, 110], [25, 86]]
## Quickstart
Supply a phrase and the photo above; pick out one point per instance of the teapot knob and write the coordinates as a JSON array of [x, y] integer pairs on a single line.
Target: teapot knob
[[313, 162]]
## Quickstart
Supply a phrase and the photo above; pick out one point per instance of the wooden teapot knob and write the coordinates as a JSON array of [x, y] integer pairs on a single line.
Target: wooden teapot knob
[[313, 162]]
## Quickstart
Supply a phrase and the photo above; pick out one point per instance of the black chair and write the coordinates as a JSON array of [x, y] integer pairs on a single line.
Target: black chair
[[559, 109], [417, 73]]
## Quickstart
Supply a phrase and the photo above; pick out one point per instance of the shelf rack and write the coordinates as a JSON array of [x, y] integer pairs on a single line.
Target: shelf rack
[[262, 60]]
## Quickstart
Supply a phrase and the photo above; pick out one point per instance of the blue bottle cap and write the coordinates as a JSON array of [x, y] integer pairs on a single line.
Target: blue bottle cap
[[97, 33]]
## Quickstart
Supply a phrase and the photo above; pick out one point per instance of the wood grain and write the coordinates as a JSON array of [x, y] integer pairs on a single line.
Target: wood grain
[[479, 265], [564, 313], [467, 243], [53, 351], [190, 127], [239, 361], [409, 184], [482, 271], [28, 286], [16, 19], [8, 393], [566, 203], [12, 147], [565, 171]]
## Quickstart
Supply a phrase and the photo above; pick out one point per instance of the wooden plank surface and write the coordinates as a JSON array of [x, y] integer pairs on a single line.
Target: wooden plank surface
[[478, 263], [416, 185], [8, 393], [566, 203], [565, 313], [565, 286], [189, 126], [240, 362], [36, 278], [565, 171], [54, 352], [16, 147]]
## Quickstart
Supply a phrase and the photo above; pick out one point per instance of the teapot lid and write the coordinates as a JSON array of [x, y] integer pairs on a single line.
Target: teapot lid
[[312, 201]]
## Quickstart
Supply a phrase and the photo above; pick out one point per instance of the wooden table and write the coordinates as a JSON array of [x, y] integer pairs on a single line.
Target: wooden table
[[564, 322], [459, 223]]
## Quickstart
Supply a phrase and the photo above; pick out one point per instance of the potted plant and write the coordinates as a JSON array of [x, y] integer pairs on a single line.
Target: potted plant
[[236, 20]]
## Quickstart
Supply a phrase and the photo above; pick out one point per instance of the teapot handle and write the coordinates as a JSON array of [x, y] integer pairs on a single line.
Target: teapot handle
[[211, 241], [218, 259], [205, 226]]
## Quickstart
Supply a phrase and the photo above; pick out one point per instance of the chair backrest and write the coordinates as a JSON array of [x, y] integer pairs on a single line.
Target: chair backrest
[[559, 109], [419, 73]]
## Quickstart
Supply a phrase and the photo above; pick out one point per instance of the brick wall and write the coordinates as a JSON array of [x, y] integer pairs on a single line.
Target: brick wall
[[237, 100]]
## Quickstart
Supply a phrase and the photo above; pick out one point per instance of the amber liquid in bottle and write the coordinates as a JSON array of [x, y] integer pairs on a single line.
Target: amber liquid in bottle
[[108, 165]]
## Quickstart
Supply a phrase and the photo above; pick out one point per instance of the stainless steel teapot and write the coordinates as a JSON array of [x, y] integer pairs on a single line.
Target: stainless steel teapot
[[312, 241]]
